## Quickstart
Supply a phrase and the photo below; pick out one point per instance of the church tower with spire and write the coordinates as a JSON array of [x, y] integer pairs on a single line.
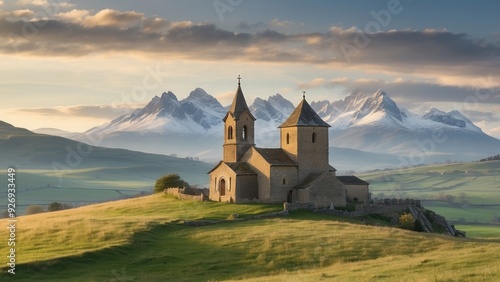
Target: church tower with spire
[[304, 137], [296, 172], [238, 128]]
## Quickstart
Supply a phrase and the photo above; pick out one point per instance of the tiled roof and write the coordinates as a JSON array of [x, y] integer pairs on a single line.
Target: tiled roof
[[304, 115], [238, 168], [309, 179], [275, 156], [352, 180], [241, 168]]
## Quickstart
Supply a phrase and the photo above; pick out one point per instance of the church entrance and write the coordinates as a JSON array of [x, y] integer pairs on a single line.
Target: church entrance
[[289, 197], [222, 187]]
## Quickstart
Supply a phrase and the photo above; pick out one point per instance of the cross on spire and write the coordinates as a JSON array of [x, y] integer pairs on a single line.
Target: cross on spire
[[239, 80], [303, 94]]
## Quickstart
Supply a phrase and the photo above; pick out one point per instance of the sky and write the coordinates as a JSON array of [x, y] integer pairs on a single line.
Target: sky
[[76, 64]]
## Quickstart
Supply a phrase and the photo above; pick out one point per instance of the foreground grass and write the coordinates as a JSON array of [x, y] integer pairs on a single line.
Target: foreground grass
[[76, 231], [142, 240]]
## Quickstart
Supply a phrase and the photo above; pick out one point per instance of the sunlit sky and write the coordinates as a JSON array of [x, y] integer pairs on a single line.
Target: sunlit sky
[[77, 64]]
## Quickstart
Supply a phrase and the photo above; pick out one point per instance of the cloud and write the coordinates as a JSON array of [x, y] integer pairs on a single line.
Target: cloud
[[478, 116], [113, 18], [412, 92], [44, 3], [280, 23], [445, 58], [32, 2], [73, 16], [97, 112], [17, 14]]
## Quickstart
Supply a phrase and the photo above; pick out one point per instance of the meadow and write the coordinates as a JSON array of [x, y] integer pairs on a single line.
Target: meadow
[[144, 239], [467, 194]]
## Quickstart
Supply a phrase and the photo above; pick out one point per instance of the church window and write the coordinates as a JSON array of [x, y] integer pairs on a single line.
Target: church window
[[215, 184], [230, 132], [222, 187], [288, 138], [245, 132], [314, 137], [229, 183], [284, 180]]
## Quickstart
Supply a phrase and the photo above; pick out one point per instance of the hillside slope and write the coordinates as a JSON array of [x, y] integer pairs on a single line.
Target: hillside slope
[[143, 239], [462, 192], [51, 168]]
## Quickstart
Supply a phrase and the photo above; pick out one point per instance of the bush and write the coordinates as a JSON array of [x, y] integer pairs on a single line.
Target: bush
[[33, 209], [406, 221], [55, 206], [418, 226], [169, 181]]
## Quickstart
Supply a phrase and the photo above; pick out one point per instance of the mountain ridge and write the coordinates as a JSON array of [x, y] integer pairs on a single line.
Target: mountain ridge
[[366, 122]]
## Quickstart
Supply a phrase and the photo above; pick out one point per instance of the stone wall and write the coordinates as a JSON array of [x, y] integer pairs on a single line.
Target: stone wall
[[298, 206], [179, 193]]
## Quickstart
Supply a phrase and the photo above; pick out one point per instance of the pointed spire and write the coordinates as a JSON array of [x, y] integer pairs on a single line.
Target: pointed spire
[[239, 104], [304, 115]]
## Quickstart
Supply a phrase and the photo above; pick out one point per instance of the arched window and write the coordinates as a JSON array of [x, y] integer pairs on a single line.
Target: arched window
[[284, 180], [229, 184], [288, 138], [314, 137], [222, 187], [230, 132], [215, 184], [245, 132]]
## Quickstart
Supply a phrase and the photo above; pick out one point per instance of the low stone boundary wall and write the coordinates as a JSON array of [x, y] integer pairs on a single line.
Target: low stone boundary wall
[[179, 193], [298, 206]]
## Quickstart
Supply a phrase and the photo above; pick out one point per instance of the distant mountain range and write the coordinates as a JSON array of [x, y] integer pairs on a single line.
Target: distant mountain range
[[365, 123]]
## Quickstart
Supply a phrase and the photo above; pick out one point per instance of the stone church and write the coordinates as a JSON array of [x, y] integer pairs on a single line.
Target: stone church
[[298, 171]]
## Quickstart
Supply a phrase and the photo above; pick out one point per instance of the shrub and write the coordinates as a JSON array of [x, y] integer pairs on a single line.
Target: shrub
[[406, 221], [418, 226], [33, 209], [169, 181], [56, 206]]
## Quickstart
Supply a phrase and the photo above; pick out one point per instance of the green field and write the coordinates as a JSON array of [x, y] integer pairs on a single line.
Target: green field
[[82, 186], [50, 168], [466, 194], [143, 239]]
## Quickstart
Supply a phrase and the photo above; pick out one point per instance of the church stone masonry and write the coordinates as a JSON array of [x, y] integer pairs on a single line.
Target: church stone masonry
[[298, 171]]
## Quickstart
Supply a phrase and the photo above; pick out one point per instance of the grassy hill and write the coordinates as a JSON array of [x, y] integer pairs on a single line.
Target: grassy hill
[[467, 193], [143, 239], [51, 168]]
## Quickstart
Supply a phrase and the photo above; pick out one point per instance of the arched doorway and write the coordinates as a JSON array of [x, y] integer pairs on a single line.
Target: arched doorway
[[222, 187]]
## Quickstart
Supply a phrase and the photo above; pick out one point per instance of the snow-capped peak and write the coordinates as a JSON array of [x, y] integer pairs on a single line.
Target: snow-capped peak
[[379, 103], [453, 118]]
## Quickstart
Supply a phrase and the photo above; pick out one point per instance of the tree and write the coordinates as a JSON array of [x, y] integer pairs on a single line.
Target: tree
[[33, 209], [56, 206], [406, 221], [169, 181]]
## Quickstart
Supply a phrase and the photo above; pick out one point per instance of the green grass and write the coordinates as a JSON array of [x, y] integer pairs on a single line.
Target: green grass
[[480, 231], [480, 181], [143, 239]]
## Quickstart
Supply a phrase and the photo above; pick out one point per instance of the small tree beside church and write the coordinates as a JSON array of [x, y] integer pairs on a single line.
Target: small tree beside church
[[169, 181]]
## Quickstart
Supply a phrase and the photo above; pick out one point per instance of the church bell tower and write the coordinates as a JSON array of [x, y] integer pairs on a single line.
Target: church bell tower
[[238, 128]]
